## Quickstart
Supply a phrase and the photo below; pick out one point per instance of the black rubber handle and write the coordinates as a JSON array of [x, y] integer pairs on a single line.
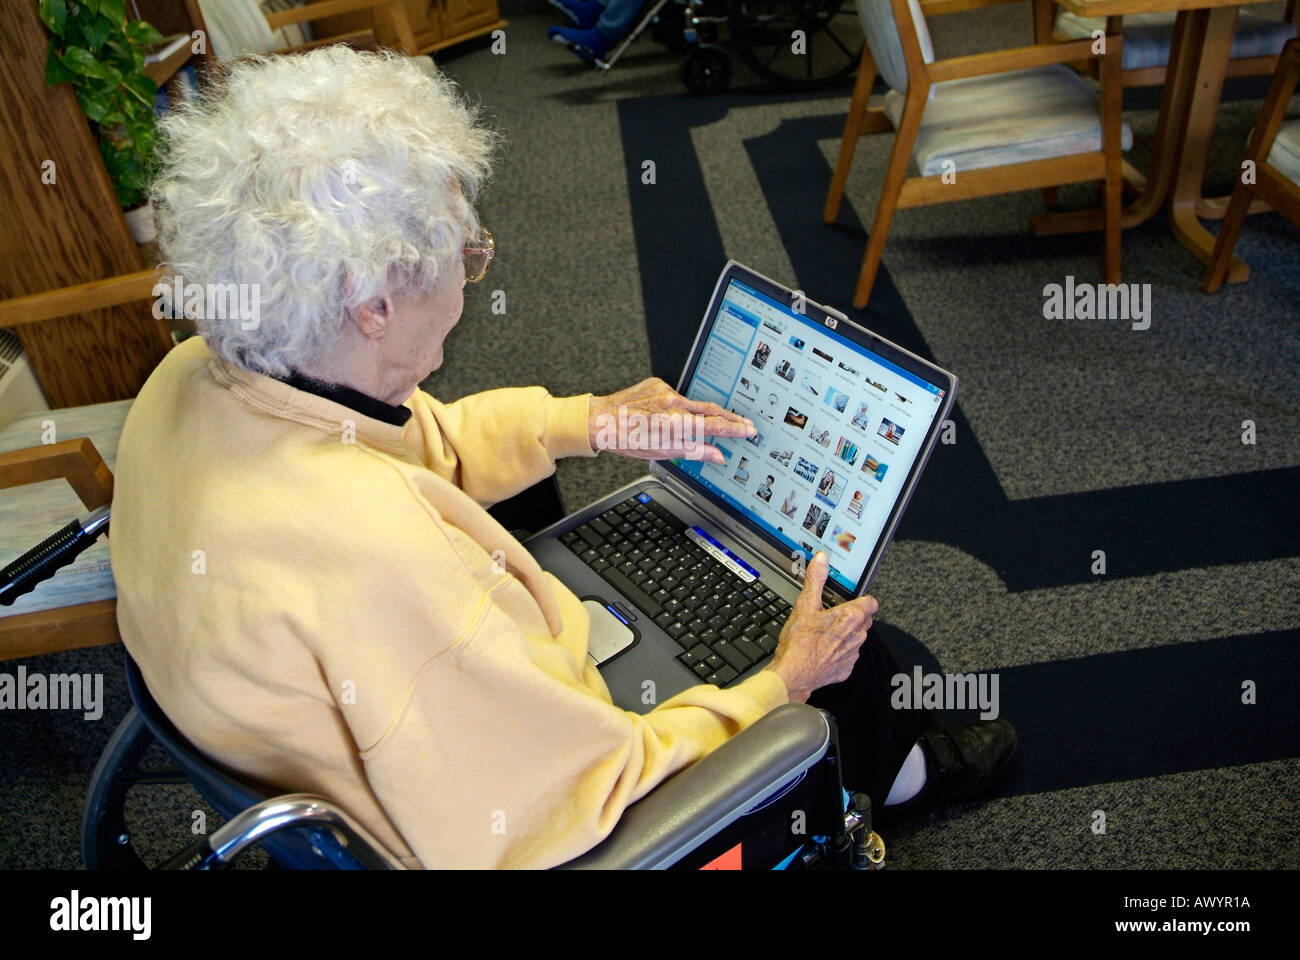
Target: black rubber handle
[[42, 561]]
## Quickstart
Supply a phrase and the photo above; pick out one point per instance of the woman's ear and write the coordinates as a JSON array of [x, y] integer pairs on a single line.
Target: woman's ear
[[373, 317]]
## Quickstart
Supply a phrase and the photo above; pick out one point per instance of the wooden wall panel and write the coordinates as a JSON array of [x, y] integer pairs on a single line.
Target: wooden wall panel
[[68, 232]]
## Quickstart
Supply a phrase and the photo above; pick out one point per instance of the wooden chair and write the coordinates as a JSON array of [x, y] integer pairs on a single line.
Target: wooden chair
[[981, 125], [1274, 151], [391, 15], [78, 608], [1147, 39]]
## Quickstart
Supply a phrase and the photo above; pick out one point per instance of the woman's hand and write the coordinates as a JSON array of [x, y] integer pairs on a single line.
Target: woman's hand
[[652, 421]]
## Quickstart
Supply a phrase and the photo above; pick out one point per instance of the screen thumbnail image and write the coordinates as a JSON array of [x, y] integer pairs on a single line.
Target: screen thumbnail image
[[842, 538], [890, 431], [875, 467], [796, 343], [854, 507], [861, 417], [761, 354], [770, 407], [847, 451], [741, 475], [790, 505], [782, 456], [810, 384], [815, 520], [764, 491], [837, 400], [830, 487], [746, 390], [796, 418], [805, 470], [785, 370], [820, 433]]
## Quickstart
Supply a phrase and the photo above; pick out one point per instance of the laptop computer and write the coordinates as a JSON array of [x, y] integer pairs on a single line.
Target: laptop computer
[[690, 572]]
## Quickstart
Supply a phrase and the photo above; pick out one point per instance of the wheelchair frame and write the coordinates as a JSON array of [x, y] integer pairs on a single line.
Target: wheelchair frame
[[706, 67]]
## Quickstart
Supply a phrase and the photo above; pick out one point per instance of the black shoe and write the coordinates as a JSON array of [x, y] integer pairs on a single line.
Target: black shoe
[[961, 762]]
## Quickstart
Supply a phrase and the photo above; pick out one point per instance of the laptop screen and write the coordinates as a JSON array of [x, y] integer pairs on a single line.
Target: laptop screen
[[839, 428]]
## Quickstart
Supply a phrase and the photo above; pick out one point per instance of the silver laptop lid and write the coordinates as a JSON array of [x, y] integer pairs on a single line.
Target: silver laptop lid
[[846, 422]]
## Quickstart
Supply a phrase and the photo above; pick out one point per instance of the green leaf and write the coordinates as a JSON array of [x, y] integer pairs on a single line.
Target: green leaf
[[121, 54], [84, 62], [142, 87], [55, 71], [54, 14], [115, 10], [97, 31], [95, 104], [143, 34]]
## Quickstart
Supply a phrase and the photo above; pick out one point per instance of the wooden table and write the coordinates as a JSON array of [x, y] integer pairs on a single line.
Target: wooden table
[[1198, 61]]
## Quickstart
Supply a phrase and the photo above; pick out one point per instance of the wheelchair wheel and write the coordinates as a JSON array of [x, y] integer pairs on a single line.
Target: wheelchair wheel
[[798, 43], [106, 843], [669, 26], [706, 70]]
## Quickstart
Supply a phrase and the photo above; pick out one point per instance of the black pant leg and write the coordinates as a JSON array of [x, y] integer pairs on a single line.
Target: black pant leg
[[875, 738]]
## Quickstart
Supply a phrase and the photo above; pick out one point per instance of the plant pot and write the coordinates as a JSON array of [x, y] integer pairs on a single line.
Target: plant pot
[[141, 221]]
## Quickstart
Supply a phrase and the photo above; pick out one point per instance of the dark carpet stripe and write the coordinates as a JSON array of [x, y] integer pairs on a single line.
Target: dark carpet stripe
[[1151, 712]]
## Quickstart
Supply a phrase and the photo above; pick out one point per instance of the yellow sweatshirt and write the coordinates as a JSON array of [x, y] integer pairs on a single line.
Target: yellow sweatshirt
[[312, 597]]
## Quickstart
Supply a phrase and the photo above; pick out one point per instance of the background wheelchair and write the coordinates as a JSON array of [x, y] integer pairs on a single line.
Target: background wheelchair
[[791, 44], [770, 797]]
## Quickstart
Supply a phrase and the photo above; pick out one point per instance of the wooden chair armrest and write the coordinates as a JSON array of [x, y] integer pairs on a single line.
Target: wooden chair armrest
[[95, 295], [390, 10], [937, 8], [76, 460], [1019, 58]]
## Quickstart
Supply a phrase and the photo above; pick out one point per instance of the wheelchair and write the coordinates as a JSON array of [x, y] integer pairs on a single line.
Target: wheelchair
[[770, 797], [792, 44]]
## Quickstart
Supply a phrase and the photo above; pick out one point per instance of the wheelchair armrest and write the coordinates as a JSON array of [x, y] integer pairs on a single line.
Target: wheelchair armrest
[[706, 797], [337, 830]]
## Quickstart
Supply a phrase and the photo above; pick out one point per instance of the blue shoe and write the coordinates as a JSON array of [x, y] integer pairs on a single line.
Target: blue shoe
[[584, 13], [587, 44]]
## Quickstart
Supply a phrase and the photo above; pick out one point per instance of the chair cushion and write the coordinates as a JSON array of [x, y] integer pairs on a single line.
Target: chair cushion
[[1285, 155], [881, 29], [1147, 36], [30, 513], [1006, 118]]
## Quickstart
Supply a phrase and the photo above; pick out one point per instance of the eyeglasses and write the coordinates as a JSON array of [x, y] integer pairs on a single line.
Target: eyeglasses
[[477, 254]]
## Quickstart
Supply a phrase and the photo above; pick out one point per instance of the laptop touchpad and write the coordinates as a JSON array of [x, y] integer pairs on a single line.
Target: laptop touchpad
[[609, 635]]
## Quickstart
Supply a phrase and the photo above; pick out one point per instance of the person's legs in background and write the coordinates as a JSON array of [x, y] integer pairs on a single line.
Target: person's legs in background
[[598, 26]]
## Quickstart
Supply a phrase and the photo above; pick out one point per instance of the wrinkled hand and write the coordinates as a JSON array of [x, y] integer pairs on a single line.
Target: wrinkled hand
[[652, 421], [819, 647]]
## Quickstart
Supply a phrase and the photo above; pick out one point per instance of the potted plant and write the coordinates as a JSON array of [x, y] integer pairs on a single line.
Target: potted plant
[[95, 48]]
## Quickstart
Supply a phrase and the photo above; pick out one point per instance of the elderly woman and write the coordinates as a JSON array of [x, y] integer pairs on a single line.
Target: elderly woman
[[306, 571]]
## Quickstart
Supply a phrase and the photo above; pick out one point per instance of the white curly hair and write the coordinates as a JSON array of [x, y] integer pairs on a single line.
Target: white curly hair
[[319, 177]]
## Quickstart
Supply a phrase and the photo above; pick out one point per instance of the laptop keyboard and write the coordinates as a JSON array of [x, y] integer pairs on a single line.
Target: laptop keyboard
[[723, 624]]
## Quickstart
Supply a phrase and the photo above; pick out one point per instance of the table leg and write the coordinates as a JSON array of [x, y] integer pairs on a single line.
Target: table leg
[[1189, 106], [1211, 66], [1175, 99]]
